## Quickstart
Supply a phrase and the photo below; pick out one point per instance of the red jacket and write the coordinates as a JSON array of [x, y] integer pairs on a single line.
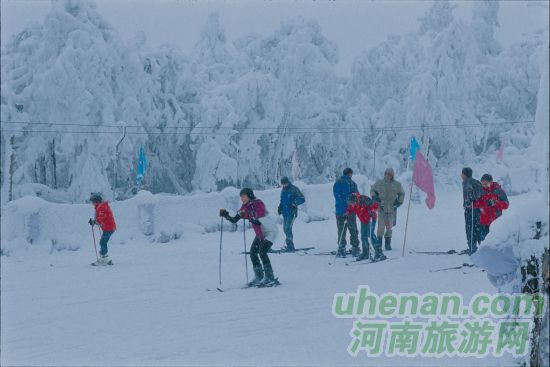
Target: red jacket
[[104, 217], [491, 203], [365, 208]]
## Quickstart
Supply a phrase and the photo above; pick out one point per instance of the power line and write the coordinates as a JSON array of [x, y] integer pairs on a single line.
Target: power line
[[248, 130]]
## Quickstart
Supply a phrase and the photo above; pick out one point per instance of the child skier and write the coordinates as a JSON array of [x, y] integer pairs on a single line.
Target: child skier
[[266, 231], [491, 204], [105, 220], [365, 209]]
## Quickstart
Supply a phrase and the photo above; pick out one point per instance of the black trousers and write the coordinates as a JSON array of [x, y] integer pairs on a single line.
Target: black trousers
[[351, 226], [260, 248], [473, 228]]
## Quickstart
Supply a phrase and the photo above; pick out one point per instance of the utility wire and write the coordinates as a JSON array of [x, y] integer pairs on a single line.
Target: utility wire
[[248, 130]]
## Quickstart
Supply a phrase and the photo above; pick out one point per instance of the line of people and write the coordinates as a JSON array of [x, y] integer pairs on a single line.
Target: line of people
[[483, 202], [386, 196]]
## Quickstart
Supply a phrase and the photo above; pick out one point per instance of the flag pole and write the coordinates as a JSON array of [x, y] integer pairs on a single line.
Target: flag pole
[[407, 220], [408, 205]]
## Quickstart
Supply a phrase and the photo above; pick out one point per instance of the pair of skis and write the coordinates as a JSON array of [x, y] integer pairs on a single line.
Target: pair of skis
[[98, 263], [273, 283], [370, 260], [463, 266], [449, 252], [281, 251]]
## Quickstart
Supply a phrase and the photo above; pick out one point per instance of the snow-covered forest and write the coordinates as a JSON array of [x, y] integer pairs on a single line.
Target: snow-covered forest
[[78, 103]]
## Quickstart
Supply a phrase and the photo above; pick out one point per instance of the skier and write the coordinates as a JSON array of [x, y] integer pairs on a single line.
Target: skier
[[365, 209], [342, 190], [266, 230], [390, 195], [471, 191], [491, 204], [105, 220], [291, 197]]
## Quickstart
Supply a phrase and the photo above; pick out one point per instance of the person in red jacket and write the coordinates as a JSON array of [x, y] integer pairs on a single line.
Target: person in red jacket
[[105, 220], [491, 204], [365, 209]]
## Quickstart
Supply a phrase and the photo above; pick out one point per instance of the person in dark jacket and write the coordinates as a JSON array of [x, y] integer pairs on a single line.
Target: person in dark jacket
[[471, 191], [342, 190], [491, 204], [291, 197]]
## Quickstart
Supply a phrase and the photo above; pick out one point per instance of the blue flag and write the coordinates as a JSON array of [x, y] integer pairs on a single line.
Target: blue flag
[[142, 166], [413, 147]]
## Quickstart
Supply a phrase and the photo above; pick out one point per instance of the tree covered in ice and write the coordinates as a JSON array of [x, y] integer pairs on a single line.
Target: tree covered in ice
[[240, 112]]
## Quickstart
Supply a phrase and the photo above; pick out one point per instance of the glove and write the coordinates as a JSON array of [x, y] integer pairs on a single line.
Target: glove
[[92, 222], [223, 213], [293, 206], [255, 222], [491, 202], [279, 210], [396, 204]]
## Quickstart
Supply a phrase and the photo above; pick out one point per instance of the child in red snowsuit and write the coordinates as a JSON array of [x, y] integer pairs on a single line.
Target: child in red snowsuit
[[491, 204], [105, 220], [365, 209]]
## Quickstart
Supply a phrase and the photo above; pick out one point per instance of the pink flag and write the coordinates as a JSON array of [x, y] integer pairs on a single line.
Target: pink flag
[[424, 179], [500, 153]]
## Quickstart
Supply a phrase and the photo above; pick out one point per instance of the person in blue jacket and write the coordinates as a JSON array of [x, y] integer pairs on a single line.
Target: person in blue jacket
[[342, 190], [291, 197]]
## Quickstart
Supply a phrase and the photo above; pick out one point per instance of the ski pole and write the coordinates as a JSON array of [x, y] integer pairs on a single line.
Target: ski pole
[[342, 233], [471, 244], [220, 264], [95, 246], [244, 247]]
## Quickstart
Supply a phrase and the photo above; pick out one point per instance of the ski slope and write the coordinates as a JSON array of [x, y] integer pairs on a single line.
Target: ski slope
[[152, 306]]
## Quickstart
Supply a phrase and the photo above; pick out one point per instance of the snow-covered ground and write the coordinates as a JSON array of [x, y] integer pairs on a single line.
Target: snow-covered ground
[[152, 307]]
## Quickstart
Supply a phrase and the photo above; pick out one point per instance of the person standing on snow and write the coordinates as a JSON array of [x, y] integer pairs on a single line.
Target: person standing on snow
[[266, 231], [390, 195], [471, 191], [105, 220], [491, 204], [342, 190], [291, 197], [365, 209]]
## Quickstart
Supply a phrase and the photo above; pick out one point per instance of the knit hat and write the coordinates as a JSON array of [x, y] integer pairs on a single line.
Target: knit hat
[[248, 192]]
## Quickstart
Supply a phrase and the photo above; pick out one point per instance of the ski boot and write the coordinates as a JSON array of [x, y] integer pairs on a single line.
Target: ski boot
[[355, 251], [103, 260], [288, 248], [341, 252], [258, 277], [387, 243], [269, 279], [378, 254], [365, 254]]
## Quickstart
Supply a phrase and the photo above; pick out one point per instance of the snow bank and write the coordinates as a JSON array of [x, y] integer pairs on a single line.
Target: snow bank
[[31, 222], [511, 242]]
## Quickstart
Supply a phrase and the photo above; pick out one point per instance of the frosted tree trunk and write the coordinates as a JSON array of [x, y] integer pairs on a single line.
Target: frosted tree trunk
[[540, 144], [54, 165]]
